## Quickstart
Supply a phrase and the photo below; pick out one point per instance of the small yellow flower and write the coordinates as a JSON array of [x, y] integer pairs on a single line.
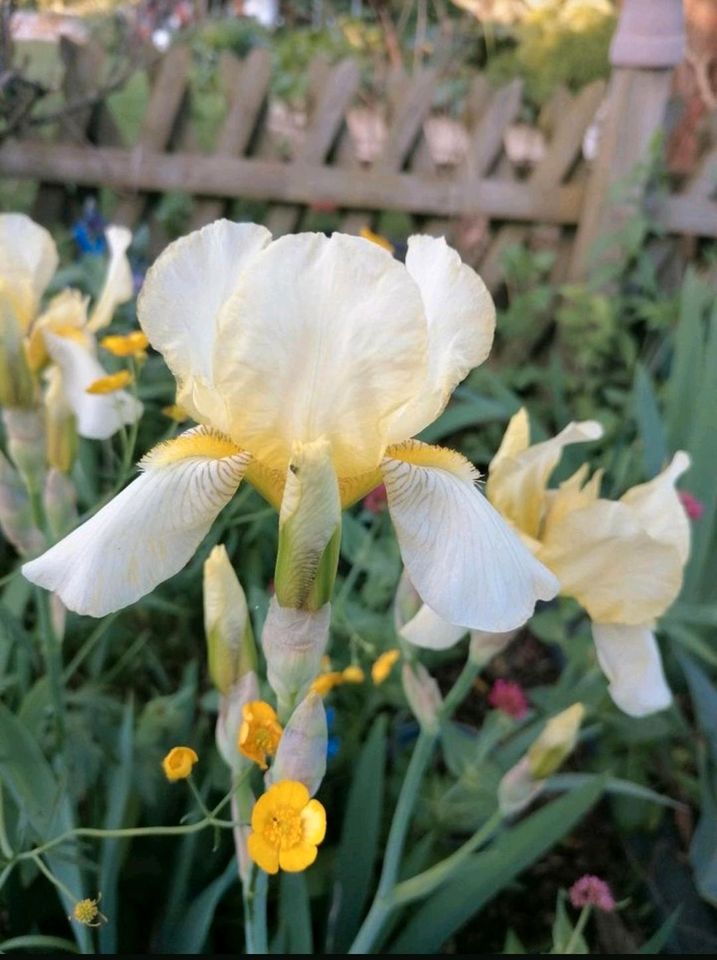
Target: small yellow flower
[[178, 763], [368, 234], [384, 665], [175, 412], [326, 682], [259, 733], [353, 674], [110, 383], [287, 826], [87, 912], [130, 345]]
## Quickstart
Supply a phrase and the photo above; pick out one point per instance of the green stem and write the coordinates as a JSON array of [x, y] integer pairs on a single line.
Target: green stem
[[460, 689], [578, 931], [383, 903], [88, 646], [72, 897], [52, 653], [259, 933], [5, 847], [427, 881], [381, 907]]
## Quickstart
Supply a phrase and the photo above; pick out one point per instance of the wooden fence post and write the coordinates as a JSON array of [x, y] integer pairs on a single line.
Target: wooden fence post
[[644, 51]]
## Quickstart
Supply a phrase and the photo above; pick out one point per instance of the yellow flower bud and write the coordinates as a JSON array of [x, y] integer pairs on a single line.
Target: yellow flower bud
[[111, 383], [129, 345], [178, 763], [556, 742], [325, 682], [384, 665], [353, 674]]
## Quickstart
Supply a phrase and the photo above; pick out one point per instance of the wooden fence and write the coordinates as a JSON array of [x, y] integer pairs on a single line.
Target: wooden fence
[[452, 178]]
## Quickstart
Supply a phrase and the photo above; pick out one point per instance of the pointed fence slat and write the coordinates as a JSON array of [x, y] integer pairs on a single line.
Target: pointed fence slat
[[294, 162]]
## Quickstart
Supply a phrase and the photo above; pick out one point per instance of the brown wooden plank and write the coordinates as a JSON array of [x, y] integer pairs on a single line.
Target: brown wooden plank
[[246, 84], [636, 102], [487, 139], [334, 98], [252, 178], [567, 139], [704, 181], [413, 102], [165, 101], [689, 214]]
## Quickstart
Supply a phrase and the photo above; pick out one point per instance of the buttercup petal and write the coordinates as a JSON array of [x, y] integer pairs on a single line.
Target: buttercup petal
[[426, 629], [336, 326], [313, 821], [460, 315], [630, 659], [149, 531], [297, 858], [659, 508], [180, 302], [263, 853], [118, 287], [604, 557], [518, 479], [98, 415], [465, 561]]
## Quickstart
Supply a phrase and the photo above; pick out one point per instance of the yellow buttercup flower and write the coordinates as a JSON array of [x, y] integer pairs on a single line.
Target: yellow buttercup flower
[[622, 560], [368, 234], [87, 912], [311, 363], [325, 682], [353, 674], [259, 733], [383, 666], [178, 763], [128, 345], [111, 383], [287, 827], [176, 413]]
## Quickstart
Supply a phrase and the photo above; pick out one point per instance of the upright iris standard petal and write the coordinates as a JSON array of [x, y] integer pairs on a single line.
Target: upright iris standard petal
[[519, 473], [611, 565], [659, 508], [98, 416], [149, 531], [630, 659], [28, 261], [180, 303], [118, 287], [467, 564], [322, 337], [460, 318]]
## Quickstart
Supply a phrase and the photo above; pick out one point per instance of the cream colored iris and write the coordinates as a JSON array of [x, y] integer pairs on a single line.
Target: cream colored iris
[[61, 340], [621, 560], [312, 342]]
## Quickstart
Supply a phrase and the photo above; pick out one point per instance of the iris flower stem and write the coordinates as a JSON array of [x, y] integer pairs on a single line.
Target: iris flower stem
[[259, 932], [384, 902], [52, 653]]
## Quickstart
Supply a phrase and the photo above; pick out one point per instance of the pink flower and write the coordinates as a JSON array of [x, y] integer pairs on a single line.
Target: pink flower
[[509, 697], [591, 891], [694, 508], [375, 502]]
